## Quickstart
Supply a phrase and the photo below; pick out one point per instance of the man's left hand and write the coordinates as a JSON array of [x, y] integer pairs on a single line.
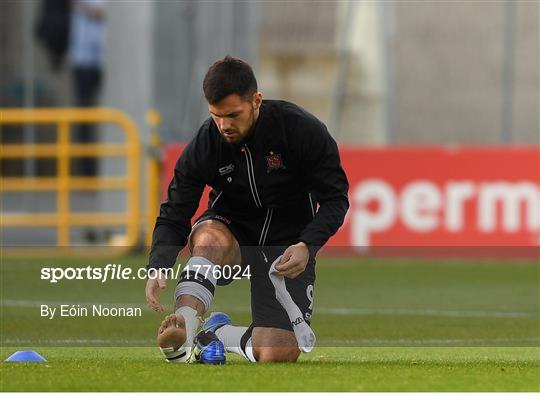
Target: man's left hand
[[294, 260]]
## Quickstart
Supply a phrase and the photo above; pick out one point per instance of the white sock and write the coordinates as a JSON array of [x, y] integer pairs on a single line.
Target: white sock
[[192, 323], [197, 279], [303, 333], [231, 337], [249, 351]]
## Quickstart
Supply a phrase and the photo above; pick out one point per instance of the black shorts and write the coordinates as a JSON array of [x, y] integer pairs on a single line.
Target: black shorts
[[266, 311]]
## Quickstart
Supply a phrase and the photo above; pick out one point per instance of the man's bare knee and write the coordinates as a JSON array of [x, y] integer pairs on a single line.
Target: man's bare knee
[[274, 345], [277, 354], [213, 240]]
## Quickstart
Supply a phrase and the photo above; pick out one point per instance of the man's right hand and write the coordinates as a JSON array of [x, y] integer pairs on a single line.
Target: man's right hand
[[153, 288]]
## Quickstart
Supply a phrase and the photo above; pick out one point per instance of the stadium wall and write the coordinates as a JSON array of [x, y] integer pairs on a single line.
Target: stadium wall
[[472, 200]]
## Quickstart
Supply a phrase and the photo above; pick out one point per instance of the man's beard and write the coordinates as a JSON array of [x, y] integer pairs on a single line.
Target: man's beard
[[250, 129], [252, 123]]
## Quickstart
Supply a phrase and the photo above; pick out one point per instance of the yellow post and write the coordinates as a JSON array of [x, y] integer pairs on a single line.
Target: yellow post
[[62, 194], [153, 118]]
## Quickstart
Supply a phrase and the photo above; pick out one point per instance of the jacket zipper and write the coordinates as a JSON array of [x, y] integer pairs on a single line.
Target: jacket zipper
[[255, 193], [266, 226], [251, 177]]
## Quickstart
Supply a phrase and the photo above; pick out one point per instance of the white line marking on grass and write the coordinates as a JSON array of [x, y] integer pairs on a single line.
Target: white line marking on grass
[[321, 310], [426, 312], [80, 341], [322, 343], [449, 341], [406, 312]]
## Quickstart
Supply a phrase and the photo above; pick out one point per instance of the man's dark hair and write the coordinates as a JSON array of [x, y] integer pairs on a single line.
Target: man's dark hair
[[229, 76]]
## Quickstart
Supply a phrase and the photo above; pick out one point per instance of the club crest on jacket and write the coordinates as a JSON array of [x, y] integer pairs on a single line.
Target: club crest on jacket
[[273, 162]]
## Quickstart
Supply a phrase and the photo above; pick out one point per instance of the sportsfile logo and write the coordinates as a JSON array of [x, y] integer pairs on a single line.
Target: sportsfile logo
[[460, 207], [109, 272]]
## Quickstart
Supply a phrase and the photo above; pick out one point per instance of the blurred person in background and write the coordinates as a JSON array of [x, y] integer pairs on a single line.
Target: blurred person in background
[[52, 30], [86, 50]]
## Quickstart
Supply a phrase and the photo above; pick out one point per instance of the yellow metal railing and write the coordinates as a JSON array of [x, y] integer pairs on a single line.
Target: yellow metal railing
[[63, 150]]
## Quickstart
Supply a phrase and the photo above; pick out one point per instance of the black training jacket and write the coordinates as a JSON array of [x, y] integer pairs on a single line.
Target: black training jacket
[[289, 164]]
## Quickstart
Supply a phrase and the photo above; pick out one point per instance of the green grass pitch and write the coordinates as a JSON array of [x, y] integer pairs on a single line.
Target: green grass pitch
[[382, 325]]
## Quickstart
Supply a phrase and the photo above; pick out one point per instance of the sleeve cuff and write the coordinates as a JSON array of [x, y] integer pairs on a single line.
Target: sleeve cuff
[[312, 248]]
